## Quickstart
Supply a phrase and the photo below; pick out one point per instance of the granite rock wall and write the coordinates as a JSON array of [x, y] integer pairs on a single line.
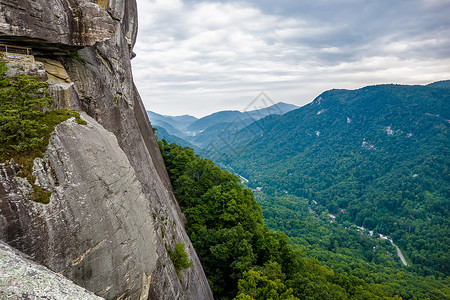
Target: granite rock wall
[[112, 214]]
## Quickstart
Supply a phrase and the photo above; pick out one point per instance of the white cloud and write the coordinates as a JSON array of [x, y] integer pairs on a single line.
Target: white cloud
[[201, 57]]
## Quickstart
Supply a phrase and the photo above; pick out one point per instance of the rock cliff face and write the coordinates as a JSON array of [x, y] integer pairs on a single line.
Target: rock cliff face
[[112, 214], [22, 278]]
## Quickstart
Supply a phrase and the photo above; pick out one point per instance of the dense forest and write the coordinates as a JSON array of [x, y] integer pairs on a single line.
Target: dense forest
[[243, 259], [376, 157]]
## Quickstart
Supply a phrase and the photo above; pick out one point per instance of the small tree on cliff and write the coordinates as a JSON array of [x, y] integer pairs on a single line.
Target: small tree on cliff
[[22, 104], [180, 258]]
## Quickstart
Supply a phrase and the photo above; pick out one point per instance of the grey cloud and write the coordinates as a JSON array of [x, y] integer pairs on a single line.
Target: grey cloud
[[296, 49]]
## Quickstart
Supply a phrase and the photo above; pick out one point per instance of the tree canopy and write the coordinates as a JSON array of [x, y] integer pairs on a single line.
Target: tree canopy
[[243, 259]]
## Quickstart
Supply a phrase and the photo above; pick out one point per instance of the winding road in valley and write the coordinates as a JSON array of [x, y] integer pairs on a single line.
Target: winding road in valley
[[384, 237], [399, 252]]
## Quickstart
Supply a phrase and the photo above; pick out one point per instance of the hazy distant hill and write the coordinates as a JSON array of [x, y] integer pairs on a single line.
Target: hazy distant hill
[[162, 133], [377, 156], [201, 132], [176, 122], [243, 118], [210, 120]]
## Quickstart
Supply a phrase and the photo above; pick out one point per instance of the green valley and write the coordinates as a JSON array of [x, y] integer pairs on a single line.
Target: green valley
[[342, 177], [377, 157]]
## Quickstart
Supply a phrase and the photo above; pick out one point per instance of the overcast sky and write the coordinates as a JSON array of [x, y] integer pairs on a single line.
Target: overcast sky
[[198, 57]]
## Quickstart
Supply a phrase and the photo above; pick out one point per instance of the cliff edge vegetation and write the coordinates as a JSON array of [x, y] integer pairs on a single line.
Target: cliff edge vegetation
[[26, 124]]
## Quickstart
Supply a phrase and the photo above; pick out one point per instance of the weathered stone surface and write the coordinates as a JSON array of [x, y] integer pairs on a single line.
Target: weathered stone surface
[[96, 229], [74, 230], [55, 71], [60, 84], [63, 94], [22, 278], [125, 11], [23, 64], [69, 22]]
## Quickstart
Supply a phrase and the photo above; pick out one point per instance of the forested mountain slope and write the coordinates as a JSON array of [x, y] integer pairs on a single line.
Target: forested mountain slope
[[377, 157], [244, 259]]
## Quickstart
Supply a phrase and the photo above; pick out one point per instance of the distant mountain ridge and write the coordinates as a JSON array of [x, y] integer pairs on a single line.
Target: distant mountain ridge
[[177, 122], [213, 119], [201, 132]]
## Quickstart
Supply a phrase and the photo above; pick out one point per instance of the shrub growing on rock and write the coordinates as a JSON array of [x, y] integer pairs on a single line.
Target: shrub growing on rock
[[26, 124], [180, 258]]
